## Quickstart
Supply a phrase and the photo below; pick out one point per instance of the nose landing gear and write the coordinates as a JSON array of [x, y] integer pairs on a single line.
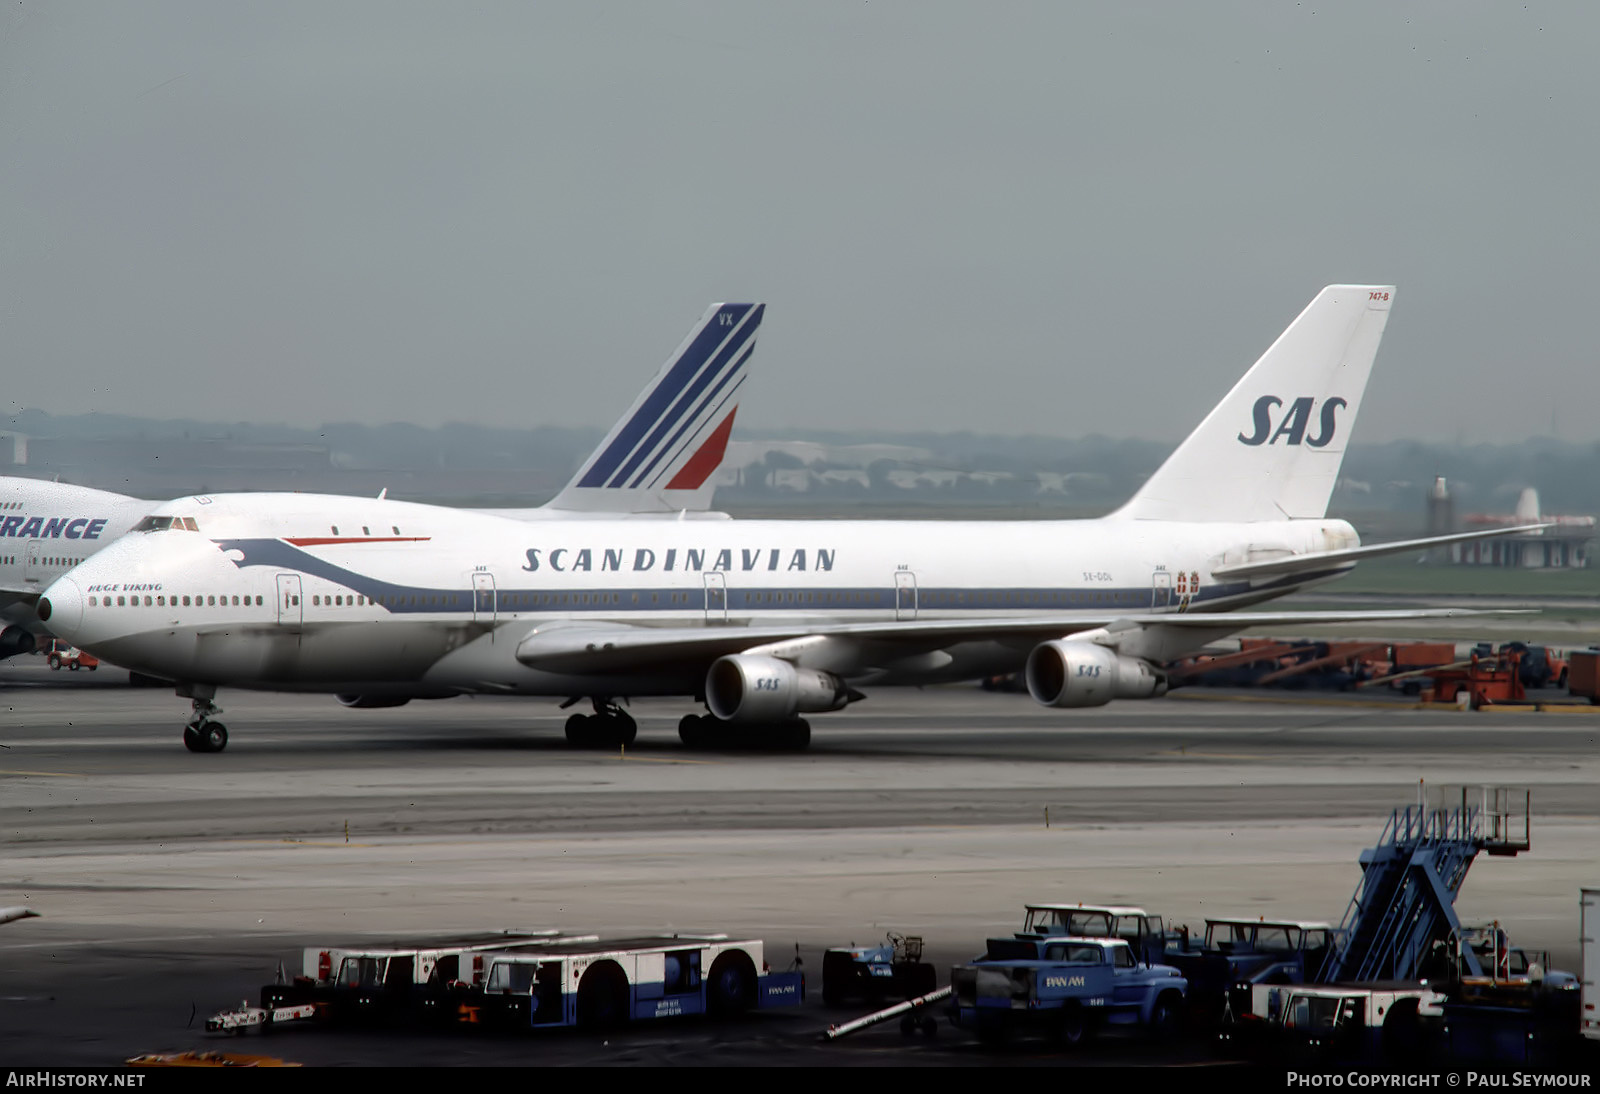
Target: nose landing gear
[[204, 733]]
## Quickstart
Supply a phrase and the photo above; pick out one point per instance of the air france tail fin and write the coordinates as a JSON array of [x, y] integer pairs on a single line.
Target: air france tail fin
[[659, 458], [1271, 449]]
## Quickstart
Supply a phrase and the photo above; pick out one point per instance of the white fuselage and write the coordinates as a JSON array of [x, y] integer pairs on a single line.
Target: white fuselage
[[47, 528], [338, 594]]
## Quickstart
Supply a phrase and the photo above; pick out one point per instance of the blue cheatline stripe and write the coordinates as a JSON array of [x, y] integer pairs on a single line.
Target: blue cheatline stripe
[[652, 449], [699, 420], [689, 362], [935, 600]]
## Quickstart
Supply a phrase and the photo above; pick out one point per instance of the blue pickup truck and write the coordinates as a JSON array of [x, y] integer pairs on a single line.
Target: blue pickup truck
[[1064, 988]]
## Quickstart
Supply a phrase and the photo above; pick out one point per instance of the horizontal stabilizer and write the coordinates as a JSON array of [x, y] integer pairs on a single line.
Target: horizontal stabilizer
[[1323, 560]]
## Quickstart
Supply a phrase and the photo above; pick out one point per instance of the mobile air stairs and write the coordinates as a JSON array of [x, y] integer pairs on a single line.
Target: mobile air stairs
[[1403, 910]]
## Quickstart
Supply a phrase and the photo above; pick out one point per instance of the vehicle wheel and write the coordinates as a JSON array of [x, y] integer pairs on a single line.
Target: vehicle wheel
[[1164, 1018], [73, 666], [214, 736], [1073, 1028], [603, 997], [55, 662], [191, 739], [731, 988]]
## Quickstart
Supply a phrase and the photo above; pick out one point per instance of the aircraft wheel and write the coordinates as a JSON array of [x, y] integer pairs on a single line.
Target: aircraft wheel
[[790, 736], [191, 739], [578, 731], [693, 731], [623, 729], [214, 737]]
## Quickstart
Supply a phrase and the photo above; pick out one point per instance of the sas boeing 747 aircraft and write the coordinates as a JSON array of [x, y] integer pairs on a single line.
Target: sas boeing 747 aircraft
[[381, 601], [46, 528]]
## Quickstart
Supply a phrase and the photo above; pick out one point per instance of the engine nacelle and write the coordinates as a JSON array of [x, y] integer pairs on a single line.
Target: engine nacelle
[[15, 640], [372, 702], [754, 689], [1064, 673]]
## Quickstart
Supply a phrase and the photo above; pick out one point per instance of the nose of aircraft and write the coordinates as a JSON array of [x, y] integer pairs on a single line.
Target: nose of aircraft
[[61, 608]]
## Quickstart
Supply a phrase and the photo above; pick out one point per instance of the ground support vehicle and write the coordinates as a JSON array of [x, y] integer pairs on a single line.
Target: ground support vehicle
[[1135, 926], [599, 985], [381, 984], [1331, 1023], [1065, 988], [260, 1018], [1239, 953], [893, 970], [65, 655], [1589, 978], [1583, 674], [1514, 1008]]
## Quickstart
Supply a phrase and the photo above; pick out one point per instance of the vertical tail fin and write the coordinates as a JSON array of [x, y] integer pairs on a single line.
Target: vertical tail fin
[[1271, 449], [660, 456]]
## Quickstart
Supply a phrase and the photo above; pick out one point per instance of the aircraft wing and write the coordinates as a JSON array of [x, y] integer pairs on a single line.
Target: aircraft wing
[[1325, 560], [600, 648]]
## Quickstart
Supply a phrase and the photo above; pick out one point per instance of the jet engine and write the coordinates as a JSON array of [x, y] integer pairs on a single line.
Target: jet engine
[[753, 689], [1064, 673], [372, 702], [15, 640]]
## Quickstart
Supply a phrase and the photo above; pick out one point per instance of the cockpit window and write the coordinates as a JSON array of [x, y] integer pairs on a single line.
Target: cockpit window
[[162, 524]]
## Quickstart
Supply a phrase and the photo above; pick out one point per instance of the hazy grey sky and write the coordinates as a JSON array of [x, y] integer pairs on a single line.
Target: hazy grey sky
[[1052, 218]]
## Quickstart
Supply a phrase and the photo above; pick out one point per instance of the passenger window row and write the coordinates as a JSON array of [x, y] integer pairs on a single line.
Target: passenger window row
[[172, 602]]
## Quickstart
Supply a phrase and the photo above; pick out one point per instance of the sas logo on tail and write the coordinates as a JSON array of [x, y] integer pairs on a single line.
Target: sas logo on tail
[[1293, 423]]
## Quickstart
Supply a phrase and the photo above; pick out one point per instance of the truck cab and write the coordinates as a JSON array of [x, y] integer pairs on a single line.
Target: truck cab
[[1063, 987], [1141, 930], [1238, 952], [1355, 1022]]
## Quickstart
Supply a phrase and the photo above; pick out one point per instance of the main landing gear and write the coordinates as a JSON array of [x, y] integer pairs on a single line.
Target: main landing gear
[[707, 731], [608, 727], [203, 733]]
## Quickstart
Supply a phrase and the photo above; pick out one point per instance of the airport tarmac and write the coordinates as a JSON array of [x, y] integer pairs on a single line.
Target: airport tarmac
[[172, 884]]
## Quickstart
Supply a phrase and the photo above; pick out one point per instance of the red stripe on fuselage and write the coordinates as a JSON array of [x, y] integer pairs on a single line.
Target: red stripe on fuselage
[[323, 541]]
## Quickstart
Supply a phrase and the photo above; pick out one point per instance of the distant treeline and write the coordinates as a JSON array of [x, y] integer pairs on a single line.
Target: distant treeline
[[976, 470]]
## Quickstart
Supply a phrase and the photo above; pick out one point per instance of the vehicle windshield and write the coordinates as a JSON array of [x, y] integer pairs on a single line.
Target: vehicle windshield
[[361, 972], [512, 976], [1064, 921], [1070, 953], [1313, 1012]]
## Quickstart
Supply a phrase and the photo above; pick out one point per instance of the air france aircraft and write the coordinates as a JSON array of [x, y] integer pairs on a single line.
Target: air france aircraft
[[382, 601], [46, 528]]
